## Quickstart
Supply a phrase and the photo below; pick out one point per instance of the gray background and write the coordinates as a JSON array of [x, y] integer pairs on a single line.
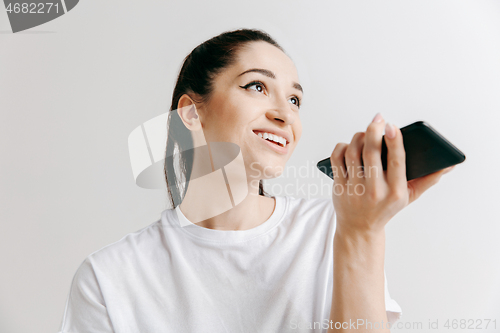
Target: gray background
[[72, 90]]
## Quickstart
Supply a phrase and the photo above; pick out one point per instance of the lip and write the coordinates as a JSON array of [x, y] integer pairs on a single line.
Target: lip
[[273, 146], [276, 131]]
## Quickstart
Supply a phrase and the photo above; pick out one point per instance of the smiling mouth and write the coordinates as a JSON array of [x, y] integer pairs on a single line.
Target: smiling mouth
[[277, 140]]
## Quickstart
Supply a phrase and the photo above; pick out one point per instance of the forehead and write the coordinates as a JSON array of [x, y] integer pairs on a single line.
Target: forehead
[[266, 56]]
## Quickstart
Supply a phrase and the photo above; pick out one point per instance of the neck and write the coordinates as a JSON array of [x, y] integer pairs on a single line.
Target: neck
[[221, 194], [208, 204]]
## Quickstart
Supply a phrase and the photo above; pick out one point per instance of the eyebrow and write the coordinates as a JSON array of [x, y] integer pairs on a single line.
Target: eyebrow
[[270, 74]]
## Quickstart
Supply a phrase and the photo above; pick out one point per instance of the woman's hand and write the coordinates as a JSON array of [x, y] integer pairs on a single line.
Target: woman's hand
[[366, 200]]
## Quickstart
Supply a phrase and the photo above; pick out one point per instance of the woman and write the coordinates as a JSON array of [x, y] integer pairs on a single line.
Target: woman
[[262, 264]]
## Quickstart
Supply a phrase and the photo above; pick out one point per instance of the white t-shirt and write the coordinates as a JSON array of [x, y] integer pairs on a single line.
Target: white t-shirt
[[276, 277]]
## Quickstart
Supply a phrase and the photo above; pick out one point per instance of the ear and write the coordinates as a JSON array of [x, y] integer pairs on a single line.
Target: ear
[[188, 113]]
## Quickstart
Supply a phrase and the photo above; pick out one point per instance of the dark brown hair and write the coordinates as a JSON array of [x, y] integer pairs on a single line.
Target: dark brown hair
[[196, 77]]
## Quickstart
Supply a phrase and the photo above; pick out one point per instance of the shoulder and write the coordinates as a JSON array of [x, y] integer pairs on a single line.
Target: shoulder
[[119, 263], [130, 248], [312, 211], [314, 205]]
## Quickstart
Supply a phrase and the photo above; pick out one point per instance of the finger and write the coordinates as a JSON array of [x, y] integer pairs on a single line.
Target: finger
[[416, 187], [372, 152], [448, 169], [353, 156], [396, 158], [337, 160]]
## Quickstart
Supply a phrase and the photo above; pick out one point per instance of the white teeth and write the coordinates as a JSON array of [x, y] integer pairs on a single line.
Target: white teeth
[[275, 138]]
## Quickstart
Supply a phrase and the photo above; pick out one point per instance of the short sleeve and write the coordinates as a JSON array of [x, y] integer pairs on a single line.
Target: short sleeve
[[85, 307], [392, 308]]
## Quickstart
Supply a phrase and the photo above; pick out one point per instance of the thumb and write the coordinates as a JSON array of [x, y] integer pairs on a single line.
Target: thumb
[[419, 185]]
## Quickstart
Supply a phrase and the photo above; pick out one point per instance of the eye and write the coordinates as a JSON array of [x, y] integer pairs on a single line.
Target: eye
[[296, 101], [259, 86]]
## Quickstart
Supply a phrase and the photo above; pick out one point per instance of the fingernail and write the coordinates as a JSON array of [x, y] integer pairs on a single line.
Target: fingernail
[[378, 118], [390, 131]]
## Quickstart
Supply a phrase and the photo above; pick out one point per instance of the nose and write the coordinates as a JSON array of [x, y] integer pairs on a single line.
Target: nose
[[281, 112]]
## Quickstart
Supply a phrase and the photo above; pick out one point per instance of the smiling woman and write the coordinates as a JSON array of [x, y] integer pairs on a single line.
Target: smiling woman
[[267, 263], [236, 94], [250, 87]]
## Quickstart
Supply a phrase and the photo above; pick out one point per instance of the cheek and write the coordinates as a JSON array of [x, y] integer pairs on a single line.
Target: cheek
[[225, 110], [229, 124], [235, 118], [298, 132], [218, 117]]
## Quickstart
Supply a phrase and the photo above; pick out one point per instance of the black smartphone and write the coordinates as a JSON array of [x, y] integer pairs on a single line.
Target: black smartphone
[[427, 151]]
